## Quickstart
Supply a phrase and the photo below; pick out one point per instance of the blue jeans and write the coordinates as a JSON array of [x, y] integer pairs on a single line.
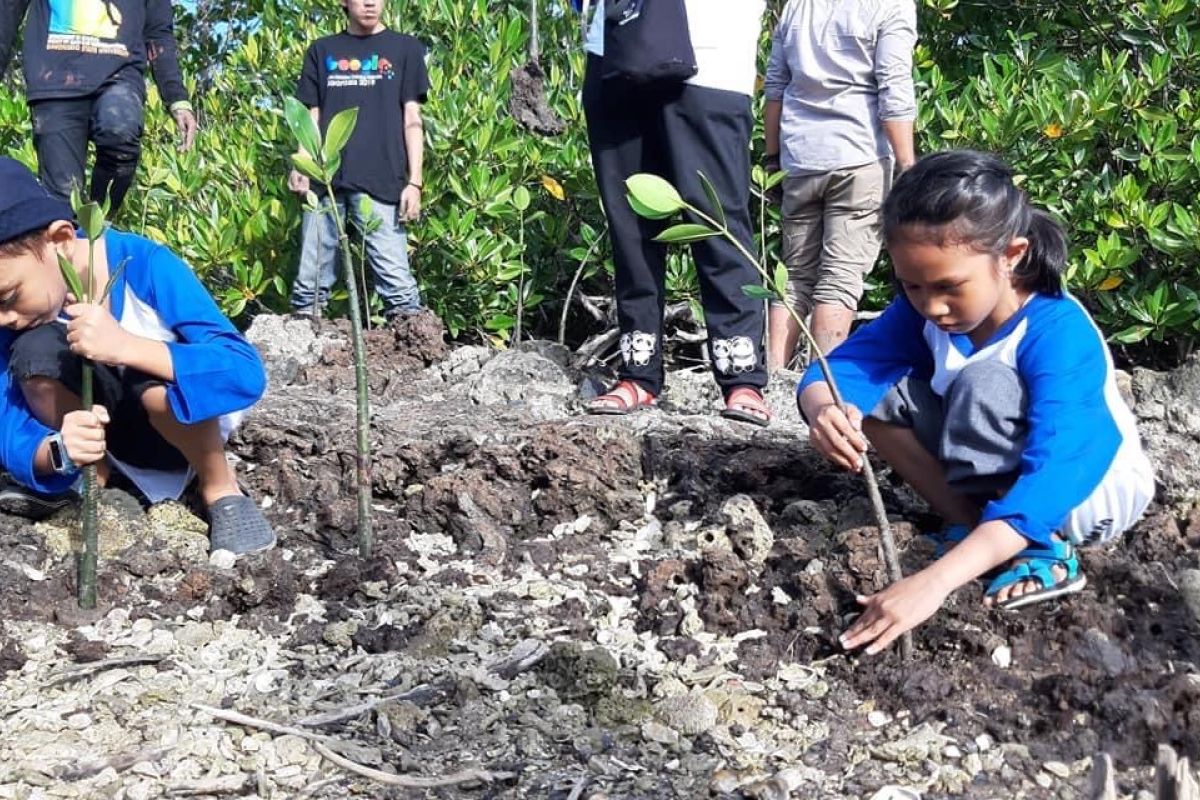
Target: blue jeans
[[386, 247]]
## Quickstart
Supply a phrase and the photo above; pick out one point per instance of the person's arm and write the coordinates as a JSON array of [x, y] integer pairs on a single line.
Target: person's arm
[[24, 447], [875, 357], [213, 369], [910, 601], [413, 92], [414, 148], [1072, 436], [775, 84], [893, 76], [12, 12], [298, 182], [162, 53]]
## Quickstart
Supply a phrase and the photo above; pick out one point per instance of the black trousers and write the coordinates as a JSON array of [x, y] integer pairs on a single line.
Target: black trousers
[[676, 132], [112, 118], [43, 352]]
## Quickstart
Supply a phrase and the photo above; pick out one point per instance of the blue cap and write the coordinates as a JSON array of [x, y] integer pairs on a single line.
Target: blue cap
[[25, 205]]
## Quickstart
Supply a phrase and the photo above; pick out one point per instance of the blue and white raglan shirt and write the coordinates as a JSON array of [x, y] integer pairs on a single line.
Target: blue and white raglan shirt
[[1083, 471], [218, 374]]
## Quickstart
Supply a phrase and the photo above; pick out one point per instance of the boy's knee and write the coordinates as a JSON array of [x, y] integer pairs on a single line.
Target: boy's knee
[[42, 352], [154, 400]]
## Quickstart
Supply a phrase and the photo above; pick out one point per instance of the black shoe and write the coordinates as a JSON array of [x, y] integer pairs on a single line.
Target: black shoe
[[21, 502]]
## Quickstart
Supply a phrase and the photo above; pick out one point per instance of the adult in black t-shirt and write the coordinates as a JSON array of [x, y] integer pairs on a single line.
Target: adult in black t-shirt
[[85, 64], [382, 73]]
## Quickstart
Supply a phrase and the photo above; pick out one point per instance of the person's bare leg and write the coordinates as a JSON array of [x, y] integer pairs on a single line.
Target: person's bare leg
[[831, 325], [784, 334], [201, 444], [50, 401], [900, 448]]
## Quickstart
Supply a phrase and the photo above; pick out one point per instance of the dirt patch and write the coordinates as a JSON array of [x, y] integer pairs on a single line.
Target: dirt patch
[[654, 643]]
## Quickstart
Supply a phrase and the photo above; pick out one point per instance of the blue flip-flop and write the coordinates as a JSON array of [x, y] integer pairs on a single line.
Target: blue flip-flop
[[1037, 563]]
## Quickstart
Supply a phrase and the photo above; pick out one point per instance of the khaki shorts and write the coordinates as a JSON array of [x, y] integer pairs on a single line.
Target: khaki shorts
[[831, 233]]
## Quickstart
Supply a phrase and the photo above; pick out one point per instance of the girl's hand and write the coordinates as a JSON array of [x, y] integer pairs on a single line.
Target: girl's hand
[[94, 334], [838, 436], [83, 435], [899, 608]]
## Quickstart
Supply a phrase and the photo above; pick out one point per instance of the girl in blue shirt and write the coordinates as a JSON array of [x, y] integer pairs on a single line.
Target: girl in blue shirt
[[988, 388]]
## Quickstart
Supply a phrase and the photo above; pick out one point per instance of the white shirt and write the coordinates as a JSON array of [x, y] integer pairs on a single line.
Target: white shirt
[[724, 36]]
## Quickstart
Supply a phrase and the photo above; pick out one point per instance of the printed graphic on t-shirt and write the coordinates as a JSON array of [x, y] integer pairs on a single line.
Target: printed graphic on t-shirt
[[357, 71], [85, 26]]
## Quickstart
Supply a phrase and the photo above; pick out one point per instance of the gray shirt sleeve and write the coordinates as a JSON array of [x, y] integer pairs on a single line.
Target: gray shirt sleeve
[[779, 74], [894, 66]]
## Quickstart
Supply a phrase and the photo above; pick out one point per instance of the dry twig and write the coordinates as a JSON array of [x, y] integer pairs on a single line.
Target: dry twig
[[223, 784], [409, 781], [119, 762], [85, 670], [262, 724], [421, 695]]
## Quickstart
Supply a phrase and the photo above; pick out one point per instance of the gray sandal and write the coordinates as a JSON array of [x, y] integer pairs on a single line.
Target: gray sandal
[[238, 526]]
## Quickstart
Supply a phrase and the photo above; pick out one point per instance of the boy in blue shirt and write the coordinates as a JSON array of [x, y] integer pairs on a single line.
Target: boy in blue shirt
[[173, 377]]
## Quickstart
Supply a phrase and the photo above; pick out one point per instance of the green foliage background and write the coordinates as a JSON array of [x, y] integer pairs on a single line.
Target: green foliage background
[[1095, 103]]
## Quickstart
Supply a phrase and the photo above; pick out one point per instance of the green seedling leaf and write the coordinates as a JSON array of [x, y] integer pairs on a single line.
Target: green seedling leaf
[[756, 292], [645, 211], [72, 278], [112, 280], [341, 127], [714, 203], [521, 199], [305, 163], [302, 125], [780, 281], [655, 194], [366, 207], [311, 200], [91, 220], [333, 165], [774, 179], [685, 233]]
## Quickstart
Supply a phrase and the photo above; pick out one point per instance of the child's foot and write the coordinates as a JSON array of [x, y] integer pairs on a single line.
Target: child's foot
[[746, 404], [626, 397], [22, 502], [1038, 573], [237, 525]]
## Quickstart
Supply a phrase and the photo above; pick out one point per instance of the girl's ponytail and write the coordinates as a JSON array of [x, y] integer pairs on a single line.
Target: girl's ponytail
[[1042, 268]]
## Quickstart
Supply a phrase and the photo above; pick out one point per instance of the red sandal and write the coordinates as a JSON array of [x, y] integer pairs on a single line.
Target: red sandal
[[746, 404], [624, 398]]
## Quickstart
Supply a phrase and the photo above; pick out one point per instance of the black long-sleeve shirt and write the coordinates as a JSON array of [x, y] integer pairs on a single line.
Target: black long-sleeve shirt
[[72, 47]]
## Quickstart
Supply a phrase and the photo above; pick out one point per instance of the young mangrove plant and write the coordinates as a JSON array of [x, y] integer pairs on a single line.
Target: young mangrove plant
[[654, 198], [319, 161], [91, 219]]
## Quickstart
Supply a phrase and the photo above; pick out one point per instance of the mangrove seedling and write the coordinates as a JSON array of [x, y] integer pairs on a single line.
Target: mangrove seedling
[[654, 198], [91, 220], [319, 160]]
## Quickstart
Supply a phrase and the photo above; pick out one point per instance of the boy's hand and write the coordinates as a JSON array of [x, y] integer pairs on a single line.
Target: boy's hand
[[298, 182], [899, 608], [94, 334], [838, 436], [410, 204], [83, 435], [185, 123]]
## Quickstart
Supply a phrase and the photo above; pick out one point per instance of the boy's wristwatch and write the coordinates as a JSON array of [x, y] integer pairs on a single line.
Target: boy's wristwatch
[[60, 460]]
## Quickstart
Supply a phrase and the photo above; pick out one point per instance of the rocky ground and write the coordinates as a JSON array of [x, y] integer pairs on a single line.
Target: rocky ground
[[566, 607]]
